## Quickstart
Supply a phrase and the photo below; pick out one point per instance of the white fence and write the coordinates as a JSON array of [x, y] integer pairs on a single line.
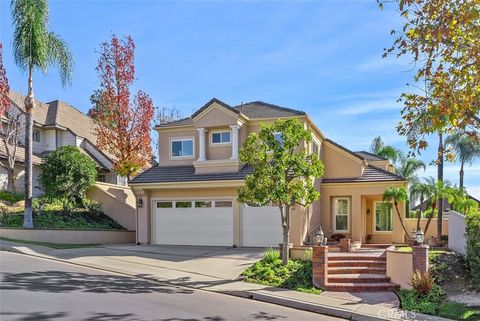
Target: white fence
[[456, 233]]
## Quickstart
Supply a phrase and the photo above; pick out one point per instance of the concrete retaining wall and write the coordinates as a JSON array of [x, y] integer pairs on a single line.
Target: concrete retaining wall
[[118, 202], [70, 236], [456, 237], [400, 267]]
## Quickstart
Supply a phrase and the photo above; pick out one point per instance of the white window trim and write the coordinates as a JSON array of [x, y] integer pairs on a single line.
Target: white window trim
[[38, 135], [334, 215], [221, 143], [176, 139], [374, 227], [315, 141]]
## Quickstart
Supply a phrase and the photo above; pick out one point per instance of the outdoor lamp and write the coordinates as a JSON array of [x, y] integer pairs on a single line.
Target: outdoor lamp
[[420, 236], [140, 202], [319, 236]]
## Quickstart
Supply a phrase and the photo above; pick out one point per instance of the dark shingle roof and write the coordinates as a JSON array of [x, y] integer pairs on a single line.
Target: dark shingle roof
[[260, 109], [254, 109], [370, 174], [370, 156], [185, 173]]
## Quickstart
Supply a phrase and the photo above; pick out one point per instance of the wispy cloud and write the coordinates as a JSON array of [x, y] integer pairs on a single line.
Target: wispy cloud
[[370, 106], [376, 63]]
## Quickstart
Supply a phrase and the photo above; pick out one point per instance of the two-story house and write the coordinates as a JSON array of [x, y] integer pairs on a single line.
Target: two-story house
[[190, 197], [57, 124]]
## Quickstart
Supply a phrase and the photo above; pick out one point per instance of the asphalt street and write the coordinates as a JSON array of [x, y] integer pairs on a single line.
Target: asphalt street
[[39, 289]]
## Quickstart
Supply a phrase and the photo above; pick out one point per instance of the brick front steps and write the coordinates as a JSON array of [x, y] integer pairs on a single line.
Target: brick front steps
[[354, 272]]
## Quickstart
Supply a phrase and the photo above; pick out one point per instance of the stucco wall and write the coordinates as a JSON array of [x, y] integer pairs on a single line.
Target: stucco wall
[[164, 143], [339, 164], [70, 236], [216, 116], [456, 236], [411, 224], [117, 202], [19, 182], [50, 139], [66, 138], [400, 267], [358, 194]]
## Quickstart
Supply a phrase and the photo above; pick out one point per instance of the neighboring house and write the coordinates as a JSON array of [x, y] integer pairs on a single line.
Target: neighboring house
[[57, 124], [446, 204], [190, 197]]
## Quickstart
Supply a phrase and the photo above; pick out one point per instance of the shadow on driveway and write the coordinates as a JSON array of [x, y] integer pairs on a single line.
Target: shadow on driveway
[[63, 282]]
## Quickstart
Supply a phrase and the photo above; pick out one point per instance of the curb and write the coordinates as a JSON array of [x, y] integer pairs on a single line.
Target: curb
[[253, 295]]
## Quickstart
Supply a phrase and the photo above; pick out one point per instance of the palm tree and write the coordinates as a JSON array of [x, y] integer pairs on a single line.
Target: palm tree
[[397, 195], [423, 192], [36, 48], [438, 190], [379, 148], [466, 150], [408, 168]]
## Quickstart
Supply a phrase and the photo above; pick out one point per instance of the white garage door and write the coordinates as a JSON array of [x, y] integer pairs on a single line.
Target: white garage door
[[261, 226], [197, 222]]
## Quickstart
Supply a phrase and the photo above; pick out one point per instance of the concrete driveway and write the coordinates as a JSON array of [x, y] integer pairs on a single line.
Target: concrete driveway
[[218, 262]]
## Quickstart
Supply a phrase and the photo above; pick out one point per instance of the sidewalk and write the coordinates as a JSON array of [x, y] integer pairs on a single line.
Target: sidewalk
[[116, 261]]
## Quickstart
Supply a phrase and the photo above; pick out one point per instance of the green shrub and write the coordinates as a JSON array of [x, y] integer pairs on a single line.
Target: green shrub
[[295, 275], [458, 311], [11, 197], [68, 174], [423, 303], [472, 235]]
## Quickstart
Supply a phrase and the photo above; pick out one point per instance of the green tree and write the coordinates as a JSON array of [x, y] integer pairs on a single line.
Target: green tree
[[466, 150], [35, 47], [283, 171], [397, 195], [422, 192], [438, 190], [379, 148], [67, 174]]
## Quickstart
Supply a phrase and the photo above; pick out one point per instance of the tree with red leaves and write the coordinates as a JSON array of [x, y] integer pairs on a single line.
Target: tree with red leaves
[[122, 121], [10, 128], [4, 88]]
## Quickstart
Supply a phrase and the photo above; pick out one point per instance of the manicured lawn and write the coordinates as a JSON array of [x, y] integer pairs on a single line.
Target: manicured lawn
[[297, 275], [52, 245]]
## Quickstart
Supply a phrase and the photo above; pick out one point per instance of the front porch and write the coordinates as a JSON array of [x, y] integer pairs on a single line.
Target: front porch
[[357, 212]]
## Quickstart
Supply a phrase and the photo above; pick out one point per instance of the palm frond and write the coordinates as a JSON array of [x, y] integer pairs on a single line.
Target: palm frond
[[59, 54], [30, 45]]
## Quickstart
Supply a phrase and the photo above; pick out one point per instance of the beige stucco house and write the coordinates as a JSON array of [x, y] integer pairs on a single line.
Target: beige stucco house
[[190, 197]]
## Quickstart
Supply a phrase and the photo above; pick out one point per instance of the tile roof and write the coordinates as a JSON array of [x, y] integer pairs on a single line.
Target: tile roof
[[260, 109], [185, 173], [254, 109], [370, 174], [370, 156]]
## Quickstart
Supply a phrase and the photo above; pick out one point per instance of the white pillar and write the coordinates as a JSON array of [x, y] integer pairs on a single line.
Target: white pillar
[[234, 141], [201, 144]]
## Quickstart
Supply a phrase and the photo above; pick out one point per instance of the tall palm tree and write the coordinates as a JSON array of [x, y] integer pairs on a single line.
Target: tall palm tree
[[397, 195], [423, 192], [36, 48], [466, 150], [438, 190], [379, 148], [408, 168]]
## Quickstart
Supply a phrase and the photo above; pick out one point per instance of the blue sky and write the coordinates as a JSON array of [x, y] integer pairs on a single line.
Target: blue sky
[[323, 57]]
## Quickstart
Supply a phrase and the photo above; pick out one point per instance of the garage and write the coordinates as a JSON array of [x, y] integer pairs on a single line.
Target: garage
[[261, 226], [193, 222]]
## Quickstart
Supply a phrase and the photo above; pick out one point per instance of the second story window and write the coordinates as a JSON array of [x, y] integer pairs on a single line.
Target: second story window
[[181, 148], [315, 148], [221, 137], [36, 135]]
